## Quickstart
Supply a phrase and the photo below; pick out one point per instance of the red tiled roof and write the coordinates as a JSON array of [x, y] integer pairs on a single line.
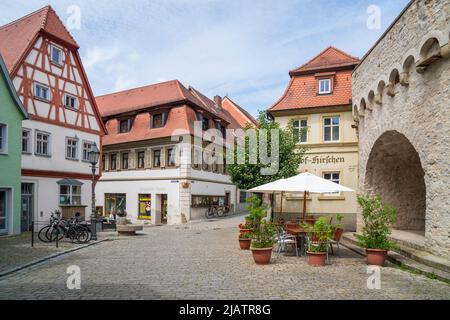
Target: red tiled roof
[[329, 58], [159, 94], [302, 89], [181, 115], [17, 36], [238, 113]]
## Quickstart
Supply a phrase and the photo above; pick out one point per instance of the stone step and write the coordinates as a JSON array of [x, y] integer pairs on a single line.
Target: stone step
[[413, 258]]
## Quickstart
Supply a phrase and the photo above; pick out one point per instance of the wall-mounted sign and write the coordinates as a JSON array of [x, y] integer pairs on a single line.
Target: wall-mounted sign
[[323, 159]]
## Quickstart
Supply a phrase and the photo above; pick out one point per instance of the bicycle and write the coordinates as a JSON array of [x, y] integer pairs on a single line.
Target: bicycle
[[214, 211], [60, 228]]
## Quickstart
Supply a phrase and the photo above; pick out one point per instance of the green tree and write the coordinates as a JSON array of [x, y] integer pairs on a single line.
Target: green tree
[[249, 175]]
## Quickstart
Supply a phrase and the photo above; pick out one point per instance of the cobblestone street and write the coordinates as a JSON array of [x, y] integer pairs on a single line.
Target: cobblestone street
[[202, 261]]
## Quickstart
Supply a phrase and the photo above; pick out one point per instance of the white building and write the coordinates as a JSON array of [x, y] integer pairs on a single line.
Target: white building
[[43, 61], [143, 172]]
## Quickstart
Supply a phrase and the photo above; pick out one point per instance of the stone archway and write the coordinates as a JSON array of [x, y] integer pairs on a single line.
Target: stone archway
[[394, 171]]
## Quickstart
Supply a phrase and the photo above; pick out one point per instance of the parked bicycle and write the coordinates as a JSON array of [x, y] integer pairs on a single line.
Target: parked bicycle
[[59, 228], [216, 211]]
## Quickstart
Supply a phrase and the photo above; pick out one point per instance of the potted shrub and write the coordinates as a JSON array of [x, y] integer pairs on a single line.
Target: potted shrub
[[256, 211], [338, 229], [263, 240], [377, 217], [319, 235], [245, 239]]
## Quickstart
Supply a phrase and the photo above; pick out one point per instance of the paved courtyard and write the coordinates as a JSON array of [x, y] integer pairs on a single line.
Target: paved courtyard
[[202, 261]]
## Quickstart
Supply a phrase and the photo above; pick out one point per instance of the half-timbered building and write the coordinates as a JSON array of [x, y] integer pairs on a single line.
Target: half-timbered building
[[145, 171], [43, 61]]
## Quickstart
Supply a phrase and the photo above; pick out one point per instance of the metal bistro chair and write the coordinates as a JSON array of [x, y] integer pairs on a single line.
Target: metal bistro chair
[[285, 239]]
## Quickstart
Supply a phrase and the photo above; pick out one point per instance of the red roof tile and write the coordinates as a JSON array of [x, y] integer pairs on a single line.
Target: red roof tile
[[173, 94], [329, 58], [159, 94], [238, 113], [303, 86], [17, 36]]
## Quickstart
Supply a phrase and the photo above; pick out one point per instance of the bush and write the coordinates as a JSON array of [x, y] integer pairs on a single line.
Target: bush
[[319, 233], [264, 235], [377, 216]]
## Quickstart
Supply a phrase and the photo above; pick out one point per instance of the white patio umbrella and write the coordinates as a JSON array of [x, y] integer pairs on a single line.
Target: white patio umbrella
[[302, 183]]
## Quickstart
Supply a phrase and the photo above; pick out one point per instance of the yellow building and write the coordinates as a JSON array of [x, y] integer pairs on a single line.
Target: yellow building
[[318, 98]]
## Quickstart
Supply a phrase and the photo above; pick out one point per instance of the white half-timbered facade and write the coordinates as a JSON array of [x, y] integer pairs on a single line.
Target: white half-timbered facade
[[64, 123]]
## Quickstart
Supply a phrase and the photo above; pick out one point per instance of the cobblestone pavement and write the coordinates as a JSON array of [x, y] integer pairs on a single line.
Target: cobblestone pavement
[[16, 250], [203, 261]]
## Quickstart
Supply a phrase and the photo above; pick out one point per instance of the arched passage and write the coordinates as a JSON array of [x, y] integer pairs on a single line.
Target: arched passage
[[394, 171]]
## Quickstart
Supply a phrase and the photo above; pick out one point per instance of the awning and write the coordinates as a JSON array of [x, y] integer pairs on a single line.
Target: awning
[[69, 182]]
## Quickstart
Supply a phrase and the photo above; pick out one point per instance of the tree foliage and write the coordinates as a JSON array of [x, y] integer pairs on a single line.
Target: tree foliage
[[249, 175]]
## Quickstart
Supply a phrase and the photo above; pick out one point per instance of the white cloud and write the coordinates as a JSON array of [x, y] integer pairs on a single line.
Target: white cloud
[[241, 47]]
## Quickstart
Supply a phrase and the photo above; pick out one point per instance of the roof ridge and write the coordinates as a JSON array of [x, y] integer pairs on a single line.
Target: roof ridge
[[136, 88], [25, 17], [241, 109], [321, 53]]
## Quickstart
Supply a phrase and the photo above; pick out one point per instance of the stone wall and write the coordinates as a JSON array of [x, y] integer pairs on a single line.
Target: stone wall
[[402, 88]]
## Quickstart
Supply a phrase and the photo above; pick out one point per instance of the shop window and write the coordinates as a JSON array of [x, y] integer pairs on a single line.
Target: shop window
[[206, 201], [145, 206], [115, 203]]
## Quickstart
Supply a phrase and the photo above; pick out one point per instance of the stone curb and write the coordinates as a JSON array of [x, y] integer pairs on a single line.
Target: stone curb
[[49, 257]]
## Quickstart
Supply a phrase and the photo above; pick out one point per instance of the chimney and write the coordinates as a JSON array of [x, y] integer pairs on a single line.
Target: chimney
[[218, 100]]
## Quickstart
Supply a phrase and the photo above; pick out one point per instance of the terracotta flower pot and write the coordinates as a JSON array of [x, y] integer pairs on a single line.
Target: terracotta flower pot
[[244, 244], [376, 257], [261, 255], [338, 234], [317, 259]]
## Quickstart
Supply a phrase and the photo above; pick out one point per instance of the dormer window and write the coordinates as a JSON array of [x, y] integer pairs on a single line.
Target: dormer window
[[158, 120], [124, 125], [205, 123], [70, 101], [56, 55], [324, 86]]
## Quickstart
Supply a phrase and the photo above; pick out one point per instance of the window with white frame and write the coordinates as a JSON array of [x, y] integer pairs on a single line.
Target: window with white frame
[[71, 148], [56, 55], [87, 147], [331, 128], [324, 86], [334, 177], [3, 138], [70, 194], [41, 92], [42, 143], [301, 130], [26, 141], [70, 101]]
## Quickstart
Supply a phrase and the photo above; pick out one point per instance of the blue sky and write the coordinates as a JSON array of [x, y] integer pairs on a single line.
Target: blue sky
[[243, 48]]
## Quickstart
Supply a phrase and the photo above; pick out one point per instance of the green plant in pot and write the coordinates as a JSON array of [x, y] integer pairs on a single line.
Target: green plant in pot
[[319, 234], [338, 229], [263, 240], [378, 217], [245, 239], [256, 210]]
